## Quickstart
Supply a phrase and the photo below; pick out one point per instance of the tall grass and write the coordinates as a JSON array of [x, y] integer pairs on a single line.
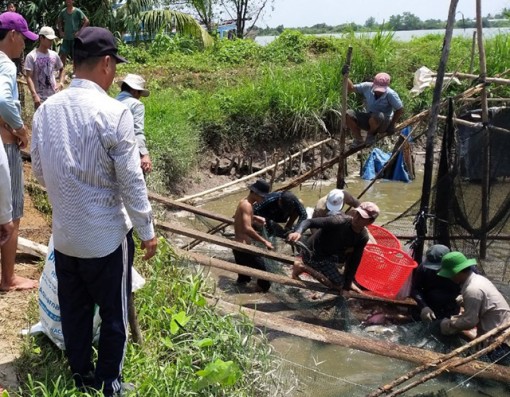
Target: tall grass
[[238, 95], [189, 349]]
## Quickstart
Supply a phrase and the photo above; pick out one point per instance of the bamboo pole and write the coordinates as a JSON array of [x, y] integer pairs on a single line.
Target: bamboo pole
[[421, 226], [404, 378], [186, 207], [473, 46], [284, 280], [248, 177], [225, 242], [449, 366], [213, 230], [486, 150], [475, 125], [383, 348], [340, 176]]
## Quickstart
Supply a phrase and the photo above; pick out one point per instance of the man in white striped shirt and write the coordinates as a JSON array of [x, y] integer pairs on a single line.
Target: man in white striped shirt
[[84, 151]]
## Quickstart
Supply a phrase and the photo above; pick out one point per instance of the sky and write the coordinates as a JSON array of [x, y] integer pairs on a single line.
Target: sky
[[300, 13]]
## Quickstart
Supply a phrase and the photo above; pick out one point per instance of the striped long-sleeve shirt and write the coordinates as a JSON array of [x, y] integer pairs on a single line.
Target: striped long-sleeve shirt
[[84, 151]]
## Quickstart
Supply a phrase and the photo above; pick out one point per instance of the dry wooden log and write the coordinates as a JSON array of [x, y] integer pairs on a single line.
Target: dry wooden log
[[404, 378], [383, 348]]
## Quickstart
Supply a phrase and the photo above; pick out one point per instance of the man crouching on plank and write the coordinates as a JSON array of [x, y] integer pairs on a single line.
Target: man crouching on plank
[[339, 239]]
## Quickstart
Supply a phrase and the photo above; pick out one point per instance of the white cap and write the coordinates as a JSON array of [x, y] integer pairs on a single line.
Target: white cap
[[335, 201], [47, 32], [136, 82]]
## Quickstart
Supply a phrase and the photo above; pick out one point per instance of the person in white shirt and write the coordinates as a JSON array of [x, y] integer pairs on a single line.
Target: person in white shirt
[[41, 64], [84, 151], [132, 89]]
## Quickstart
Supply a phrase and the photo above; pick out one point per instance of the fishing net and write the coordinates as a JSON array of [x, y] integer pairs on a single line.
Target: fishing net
[[456, 212]]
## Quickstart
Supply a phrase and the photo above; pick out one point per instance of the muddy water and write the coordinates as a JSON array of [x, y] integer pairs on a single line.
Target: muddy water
[[324, 370]]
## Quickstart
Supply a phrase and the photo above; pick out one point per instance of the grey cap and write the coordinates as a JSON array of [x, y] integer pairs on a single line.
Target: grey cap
[[434, 255]]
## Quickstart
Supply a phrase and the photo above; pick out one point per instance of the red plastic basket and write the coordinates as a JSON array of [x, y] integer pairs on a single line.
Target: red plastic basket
[[384, 237], [384, 270]]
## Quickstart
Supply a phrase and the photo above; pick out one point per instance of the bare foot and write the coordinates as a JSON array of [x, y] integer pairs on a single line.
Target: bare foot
[[19, 283], [354, 288]]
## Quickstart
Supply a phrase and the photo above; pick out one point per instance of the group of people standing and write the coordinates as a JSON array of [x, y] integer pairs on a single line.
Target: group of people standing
[[88, 150]]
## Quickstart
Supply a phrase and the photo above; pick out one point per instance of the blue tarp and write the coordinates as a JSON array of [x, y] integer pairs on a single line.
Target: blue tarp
[[377, 159]]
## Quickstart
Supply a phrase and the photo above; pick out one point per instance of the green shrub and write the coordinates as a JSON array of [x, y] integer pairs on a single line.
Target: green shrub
[[290, 46], [235, 52]]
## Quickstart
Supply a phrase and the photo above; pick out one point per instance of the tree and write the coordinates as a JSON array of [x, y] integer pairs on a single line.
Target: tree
[[370, 23], [245, 10], [133, 16], [205, 12]]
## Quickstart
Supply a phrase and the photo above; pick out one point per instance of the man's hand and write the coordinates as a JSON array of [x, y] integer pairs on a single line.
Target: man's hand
[[37, 101], [345, 70], [268, 245], [150, 247], [6, 232], [146, 164], [294, 236], [259, 220], [391, 129], [427, 315], [20, 133]]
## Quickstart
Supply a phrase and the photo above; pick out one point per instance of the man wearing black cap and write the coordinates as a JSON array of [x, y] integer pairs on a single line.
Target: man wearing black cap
[[245, 233], [280, 207], [435, 295], [84, 151]]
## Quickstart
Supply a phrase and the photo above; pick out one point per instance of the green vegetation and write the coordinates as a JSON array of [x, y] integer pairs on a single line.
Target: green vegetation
[[189, 349], [237, 94]]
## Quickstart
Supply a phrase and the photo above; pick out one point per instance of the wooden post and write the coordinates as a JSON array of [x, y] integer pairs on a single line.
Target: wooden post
[[473, 46], [273, 175], [421, 225], [486, 149], [340, 176], [300, 171]]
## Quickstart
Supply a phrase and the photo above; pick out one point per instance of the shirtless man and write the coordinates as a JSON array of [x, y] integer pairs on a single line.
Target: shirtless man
[[245, 233]]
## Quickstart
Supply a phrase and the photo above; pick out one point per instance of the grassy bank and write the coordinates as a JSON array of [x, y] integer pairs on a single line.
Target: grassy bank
[[188, 350], [238, 95]]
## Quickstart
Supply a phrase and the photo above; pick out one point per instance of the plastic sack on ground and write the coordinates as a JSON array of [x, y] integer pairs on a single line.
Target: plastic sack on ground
[[49, 308]]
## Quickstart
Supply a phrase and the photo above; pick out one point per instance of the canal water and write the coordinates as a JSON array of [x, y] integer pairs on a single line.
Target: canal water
[[322, 370]]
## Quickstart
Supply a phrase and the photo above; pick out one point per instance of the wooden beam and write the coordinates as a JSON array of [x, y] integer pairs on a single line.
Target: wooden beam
[[284, 280], [190, 208], [225, 242], [327, 335]]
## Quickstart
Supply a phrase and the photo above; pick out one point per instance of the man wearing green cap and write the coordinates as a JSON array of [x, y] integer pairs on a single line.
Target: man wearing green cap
[[484, 306]]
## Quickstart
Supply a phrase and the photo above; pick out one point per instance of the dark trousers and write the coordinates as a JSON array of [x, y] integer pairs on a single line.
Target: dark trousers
[[82, 284], [253, 261]]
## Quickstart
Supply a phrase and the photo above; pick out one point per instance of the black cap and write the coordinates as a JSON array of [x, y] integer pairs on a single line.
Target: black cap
[[96, 42], [260, 187]]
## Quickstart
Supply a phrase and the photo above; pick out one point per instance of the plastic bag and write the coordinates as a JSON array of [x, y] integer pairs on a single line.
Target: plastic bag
[[49, 308]]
